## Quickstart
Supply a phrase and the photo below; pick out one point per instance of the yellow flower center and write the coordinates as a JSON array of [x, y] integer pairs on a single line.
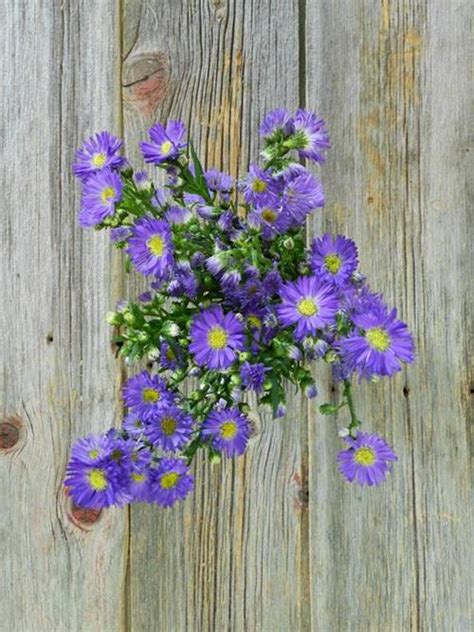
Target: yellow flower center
[[93, 454], [169, 480], [156, 245], [254, 321], [217, 338], [97, 480], [259, 186], [168, 425], [150, 395], [268, 215], [138, 478], [364, 456], [378, 338], [107, 194], [333, 263], [228, 429], [166, 147], [98, 160], [307, 307]]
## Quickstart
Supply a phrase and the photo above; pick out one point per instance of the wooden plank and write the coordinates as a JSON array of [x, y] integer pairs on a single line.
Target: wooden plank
[[60, 73], [392, 80], [232, 556]]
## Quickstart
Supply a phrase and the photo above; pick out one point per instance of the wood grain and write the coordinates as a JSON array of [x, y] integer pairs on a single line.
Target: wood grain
[[274, 541], [59, 571], [392, 81], [232, 557]]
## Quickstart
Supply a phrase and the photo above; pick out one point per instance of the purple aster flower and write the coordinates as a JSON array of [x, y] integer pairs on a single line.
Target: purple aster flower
[[276, 121], [133, 424], [170, 428], [253, 375], [311, 137], [259, 187], [171, 481], [226, 221], [146, 394], [216, 337], [272, 282], [311, 391], [120, 234], [99, 152], [170, 357], [334, 259], [140, 484], [295, 353], [150, 248], [367, 460], [273, 220], [167, 142], [142, 180], [95, 477], [218, 181], [308, 303], [91, 450], [302, 195], [228, 430], [379, 344], [101, 193], [178, 215]]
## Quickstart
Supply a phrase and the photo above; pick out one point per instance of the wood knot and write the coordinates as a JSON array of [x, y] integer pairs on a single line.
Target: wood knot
[[300, 491], [84, 516], [9, 433], [145, 79]]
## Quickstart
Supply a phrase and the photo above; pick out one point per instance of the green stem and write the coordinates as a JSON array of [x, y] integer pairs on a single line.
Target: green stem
[[355, 423]]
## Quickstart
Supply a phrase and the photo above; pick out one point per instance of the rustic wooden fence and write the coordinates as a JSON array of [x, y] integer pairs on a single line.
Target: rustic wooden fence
[[276, 540]]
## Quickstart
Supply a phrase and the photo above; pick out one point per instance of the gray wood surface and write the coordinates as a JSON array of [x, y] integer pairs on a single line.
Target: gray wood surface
[[275, 540], [60, 570]]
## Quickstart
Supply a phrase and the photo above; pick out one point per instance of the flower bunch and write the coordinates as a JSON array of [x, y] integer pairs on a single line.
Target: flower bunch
[[236, 301]]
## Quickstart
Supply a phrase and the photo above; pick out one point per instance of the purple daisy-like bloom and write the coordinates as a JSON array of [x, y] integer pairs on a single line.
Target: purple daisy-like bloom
[[311, 135], [275, 121], [272, 220], [98, 152], [334, 259], [170, 428], [379, 344], [170, 357], [133, 424], [166, 142], [101, 193], [91, 450], [259, 187], [253, 375], [151, 248], [95, 485], [171, 481], [218, 181], [228, 430], [120, 234], [178, 215], [302, 194], [216, 338], [308, 303], [139, 487], [146, 394], [367, 460]]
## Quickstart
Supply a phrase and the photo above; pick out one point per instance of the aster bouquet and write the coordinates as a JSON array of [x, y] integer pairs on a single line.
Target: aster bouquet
[[235, 300]]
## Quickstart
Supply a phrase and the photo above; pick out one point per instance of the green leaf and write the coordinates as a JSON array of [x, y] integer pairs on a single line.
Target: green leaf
[[328, 409], [199, 175], [275, 394]]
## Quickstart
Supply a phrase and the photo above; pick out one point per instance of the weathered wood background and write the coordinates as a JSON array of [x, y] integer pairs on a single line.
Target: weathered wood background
[[276, 540]]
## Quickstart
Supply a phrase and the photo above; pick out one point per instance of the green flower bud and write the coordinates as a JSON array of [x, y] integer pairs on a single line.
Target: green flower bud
[[289, 243], [114, 318], [129, 319]]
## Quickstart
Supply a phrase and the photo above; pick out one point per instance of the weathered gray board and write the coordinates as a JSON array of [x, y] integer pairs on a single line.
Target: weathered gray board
[[275, 540]]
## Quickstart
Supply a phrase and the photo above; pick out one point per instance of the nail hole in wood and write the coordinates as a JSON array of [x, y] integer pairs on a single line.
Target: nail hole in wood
[[49, 339], [406, 391]]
